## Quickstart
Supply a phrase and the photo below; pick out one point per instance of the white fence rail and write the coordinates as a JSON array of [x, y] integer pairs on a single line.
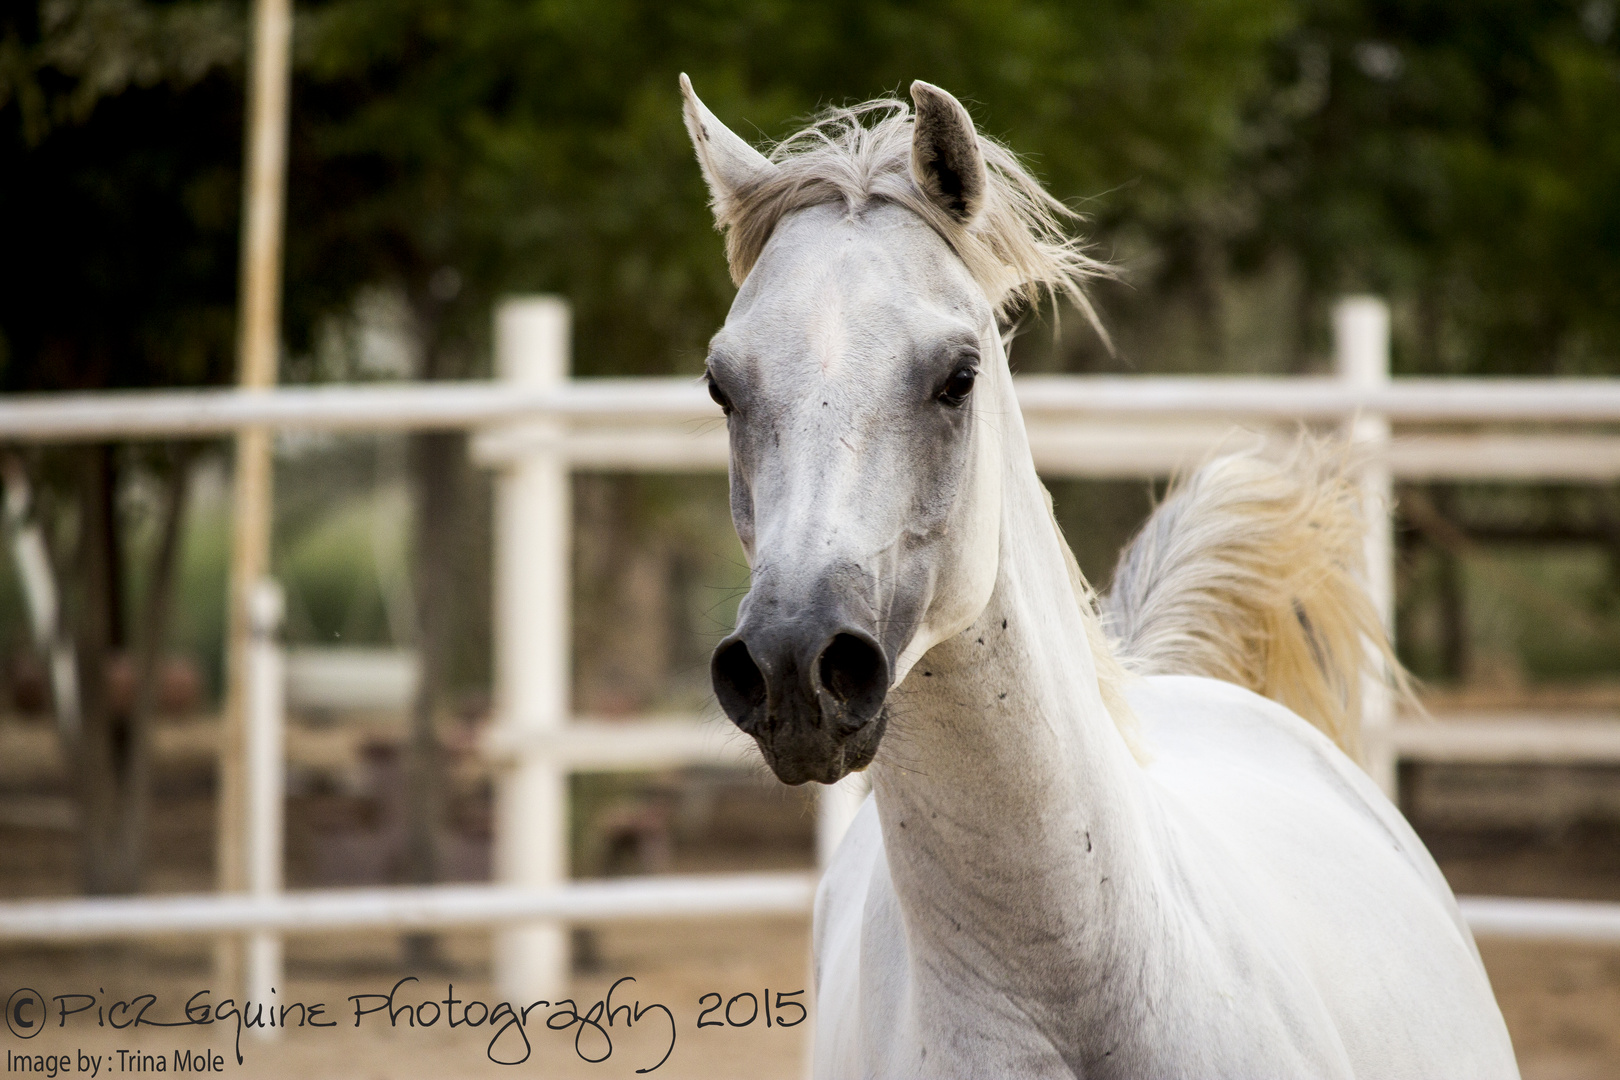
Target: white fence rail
[[147, 414], [683, 896], [1079, 425], [534, 425], [414, 908]]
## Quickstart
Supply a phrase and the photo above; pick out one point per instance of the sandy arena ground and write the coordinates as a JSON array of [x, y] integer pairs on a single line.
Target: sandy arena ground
[[674, 965], [1562, 1004]]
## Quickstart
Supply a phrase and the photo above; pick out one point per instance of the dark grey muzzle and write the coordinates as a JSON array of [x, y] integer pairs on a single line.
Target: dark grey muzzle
[[810, 692]]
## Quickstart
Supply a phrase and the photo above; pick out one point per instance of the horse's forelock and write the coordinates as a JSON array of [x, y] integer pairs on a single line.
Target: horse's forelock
[[1018, 249]]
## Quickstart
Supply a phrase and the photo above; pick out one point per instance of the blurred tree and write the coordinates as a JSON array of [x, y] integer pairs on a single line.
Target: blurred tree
[[1244, 160], [1460, 158], [119, 149], [512, 145], [1463, 160]]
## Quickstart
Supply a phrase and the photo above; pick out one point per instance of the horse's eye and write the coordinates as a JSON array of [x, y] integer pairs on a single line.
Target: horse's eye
[[718, 394], [958, 386]]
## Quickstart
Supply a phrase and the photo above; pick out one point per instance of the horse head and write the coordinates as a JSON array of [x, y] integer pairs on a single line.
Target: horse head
[[864, 383]]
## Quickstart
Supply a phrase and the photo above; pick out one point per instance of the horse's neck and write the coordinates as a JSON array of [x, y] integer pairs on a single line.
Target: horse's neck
[[1013, 813]]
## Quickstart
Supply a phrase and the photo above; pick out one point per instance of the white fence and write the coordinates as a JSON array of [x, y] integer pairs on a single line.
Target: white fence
[[535, 425]]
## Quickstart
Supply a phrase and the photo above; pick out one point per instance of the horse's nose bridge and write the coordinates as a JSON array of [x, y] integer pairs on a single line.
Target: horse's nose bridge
[[820, 475], [796, 608], [796, 593]]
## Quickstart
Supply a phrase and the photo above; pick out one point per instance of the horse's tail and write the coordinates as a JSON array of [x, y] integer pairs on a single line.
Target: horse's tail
[[1252, 571]]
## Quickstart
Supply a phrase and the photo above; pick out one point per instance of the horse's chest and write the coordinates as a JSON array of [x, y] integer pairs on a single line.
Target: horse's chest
[[932, 1019], [930, 1003]]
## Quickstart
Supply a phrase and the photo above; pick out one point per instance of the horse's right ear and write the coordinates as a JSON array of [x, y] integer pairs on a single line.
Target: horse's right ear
[[729, 164]]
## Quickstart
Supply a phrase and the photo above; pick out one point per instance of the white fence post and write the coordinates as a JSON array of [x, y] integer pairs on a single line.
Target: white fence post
[[265, 771], [1361, 356], [533, 506]]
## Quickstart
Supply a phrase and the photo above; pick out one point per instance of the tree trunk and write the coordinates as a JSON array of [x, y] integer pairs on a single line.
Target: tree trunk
[[151, 634], [1209, 290], [435, 463], [625, 626], [114, 746], [110, 756], [435, 467], [1453, 601]]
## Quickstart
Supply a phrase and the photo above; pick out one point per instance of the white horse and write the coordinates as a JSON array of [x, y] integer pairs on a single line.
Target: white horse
[[1084, 856]]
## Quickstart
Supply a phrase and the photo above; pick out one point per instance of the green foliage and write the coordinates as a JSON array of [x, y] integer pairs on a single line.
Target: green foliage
[[1461, 158], [119, 192], [539, 146], [1244, 161]]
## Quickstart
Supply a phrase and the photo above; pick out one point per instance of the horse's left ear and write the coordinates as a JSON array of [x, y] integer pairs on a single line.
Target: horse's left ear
[[945, 158]]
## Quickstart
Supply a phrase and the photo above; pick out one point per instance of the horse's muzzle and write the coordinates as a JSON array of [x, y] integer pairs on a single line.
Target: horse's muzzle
[[811, 697]]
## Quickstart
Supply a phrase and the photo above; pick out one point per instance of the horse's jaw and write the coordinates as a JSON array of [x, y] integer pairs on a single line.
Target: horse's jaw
[[960, 597]]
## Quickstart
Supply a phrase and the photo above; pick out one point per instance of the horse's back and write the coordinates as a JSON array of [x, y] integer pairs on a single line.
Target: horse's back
[[1308, 848]]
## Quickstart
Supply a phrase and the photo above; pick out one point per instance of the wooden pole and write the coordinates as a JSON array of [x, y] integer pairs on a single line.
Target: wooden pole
[[264, 757], [258, 347]]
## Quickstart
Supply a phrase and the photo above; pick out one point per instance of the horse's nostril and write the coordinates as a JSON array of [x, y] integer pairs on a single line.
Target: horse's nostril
[[855, 673], [738, 682]]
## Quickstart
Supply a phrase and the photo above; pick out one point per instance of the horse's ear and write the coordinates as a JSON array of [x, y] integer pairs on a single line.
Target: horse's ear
[[729, 164], [945, 158]]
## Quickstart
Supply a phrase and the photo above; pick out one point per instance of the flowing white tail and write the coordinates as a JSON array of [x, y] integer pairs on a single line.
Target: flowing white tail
[[1252, 571]]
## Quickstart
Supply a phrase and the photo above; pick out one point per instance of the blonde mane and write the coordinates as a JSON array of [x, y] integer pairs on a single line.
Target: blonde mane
[[1017, 248]]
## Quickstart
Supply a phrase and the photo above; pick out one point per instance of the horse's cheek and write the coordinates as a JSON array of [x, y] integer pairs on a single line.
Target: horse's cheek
[[974, 543], [742, 506]]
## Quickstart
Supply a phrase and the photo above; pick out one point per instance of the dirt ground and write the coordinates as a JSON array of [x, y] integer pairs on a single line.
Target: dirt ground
[[1562, 1005], [674, 965], [1562, 1002]]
